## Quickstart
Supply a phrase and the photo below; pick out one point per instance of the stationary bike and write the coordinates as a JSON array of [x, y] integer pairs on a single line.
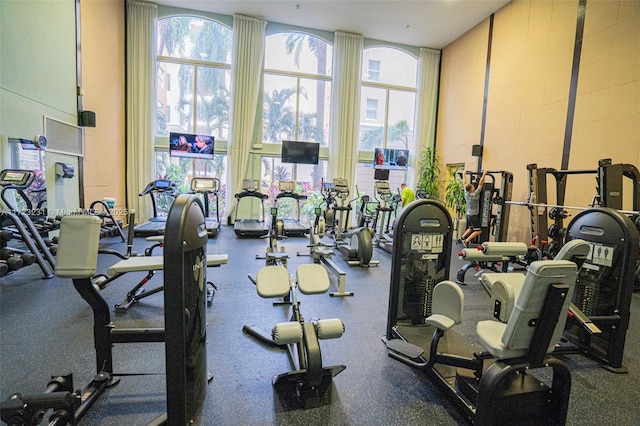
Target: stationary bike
[[356, 244], [306, 385]]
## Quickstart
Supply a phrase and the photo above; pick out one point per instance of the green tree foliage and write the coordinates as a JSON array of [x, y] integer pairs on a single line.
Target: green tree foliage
[[429, 172], [454, 193]]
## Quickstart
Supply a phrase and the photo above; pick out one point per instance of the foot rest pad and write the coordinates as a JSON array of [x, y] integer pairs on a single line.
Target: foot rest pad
[[405, 348], [329, 328], [285, 333]]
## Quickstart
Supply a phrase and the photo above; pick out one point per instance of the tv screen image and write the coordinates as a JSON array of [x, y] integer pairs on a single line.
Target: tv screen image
[[187, 145], [390, 159], [296, 152]]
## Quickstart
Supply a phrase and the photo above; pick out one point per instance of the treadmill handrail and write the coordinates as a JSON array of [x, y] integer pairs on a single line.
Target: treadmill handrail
[[250, 193], [288, 194]]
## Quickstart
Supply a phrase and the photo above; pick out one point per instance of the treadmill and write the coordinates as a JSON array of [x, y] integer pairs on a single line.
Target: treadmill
[[208, 187], [155, 189], [292, 227], [250, 227]]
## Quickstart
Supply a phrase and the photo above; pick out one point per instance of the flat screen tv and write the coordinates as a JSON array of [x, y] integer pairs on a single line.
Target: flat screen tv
[[186, 145], [297, 152], [390, 159]]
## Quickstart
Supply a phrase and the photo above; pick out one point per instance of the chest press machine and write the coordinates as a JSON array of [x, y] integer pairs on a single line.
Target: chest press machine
[[307, 384]]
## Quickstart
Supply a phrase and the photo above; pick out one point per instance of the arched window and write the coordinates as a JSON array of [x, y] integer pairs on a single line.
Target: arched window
[[194, 76], [193, 95], [297, 88]]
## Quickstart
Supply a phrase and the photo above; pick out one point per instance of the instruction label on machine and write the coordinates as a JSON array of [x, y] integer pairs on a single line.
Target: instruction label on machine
[[601, 254], [427, 242]]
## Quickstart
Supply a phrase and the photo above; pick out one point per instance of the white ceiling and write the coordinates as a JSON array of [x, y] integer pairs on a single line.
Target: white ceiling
[[422, 23]]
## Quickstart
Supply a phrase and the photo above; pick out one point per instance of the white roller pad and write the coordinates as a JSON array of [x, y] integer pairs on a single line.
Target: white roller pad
[[312, 278], [329, 328], [285, 333], [273, 281], [473, 254], [504, 248]]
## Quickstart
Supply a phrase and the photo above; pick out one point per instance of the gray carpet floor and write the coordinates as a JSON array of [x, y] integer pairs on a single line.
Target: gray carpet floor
[[46, 329]]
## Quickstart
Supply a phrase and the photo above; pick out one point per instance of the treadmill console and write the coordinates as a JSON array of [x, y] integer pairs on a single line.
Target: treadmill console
[[287, 185], [341, 185], [204, 184], [250, 185], [162, 184], [383, 188], [18, 179]]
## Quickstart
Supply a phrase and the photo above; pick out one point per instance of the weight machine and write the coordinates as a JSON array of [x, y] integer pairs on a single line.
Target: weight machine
[[184, 335], [492, 386], [494, 221]]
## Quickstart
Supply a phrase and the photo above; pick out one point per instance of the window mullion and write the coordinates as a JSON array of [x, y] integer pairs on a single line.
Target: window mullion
[[194, 116], [386, 116]]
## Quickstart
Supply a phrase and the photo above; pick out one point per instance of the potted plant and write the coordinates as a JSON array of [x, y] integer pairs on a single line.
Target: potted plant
[[454, 194], [429, 173]]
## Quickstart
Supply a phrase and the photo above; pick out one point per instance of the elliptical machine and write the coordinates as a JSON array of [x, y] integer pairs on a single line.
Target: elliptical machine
[[356, 244], [387, 204]]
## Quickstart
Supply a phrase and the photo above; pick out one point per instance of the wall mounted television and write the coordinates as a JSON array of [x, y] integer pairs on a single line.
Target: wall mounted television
[[186, 145], [297, 152], [390, 159]]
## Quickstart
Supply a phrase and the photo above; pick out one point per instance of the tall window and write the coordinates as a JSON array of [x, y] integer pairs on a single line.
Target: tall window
[[388, 97], [193, 93], [297, 88], [296, 106]]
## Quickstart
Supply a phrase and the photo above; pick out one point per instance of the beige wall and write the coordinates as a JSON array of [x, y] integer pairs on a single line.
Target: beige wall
[[103, 79], [528, 95]]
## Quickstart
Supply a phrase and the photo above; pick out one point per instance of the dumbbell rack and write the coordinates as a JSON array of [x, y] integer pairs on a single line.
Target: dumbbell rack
[[24, 229]]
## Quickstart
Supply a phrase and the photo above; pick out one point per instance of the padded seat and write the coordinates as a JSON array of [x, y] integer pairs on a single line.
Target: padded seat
[[512, 340], [447, 306], [273, 281], [312, 279], [156, 263]]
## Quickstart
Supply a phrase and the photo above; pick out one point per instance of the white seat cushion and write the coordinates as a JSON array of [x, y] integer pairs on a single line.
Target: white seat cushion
[[442, 322], [312, 278], [273, 281]]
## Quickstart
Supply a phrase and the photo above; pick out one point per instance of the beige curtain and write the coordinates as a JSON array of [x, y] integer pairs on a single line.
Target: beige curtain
[[246, 71], [345, 98], [428, 76], [141, 105]]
